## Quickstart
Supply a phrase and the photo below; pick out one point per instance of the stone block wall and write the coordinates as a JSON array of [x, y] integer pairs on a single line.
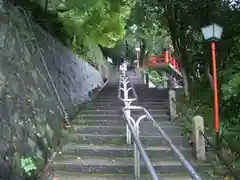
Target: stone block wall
[[30, 113]]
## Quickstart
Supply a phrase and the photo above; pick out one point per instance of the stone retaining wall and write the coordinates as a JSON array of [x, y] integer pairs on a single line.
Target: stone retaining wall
[[30, 113]]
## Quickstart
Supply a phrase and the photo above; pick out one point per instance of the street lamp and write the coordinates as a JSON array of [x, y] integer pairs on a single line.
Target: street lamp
[[213, 33], [137, 48]]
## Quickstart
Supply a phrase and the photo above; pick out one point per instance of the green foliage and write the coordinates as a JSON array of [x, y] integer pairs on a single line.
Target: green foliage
[[232, 88], [83, 25], [231, 123], [28, 165], [96, 21], [181, 22], [155, 78], [149, 30], [49, 21]]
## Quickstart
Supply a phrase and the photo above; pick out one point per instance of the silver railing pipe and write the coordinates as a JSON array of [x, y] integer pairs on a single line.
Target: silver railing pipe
[[138, 147], [133, 129], [125, 86], [147, 116]]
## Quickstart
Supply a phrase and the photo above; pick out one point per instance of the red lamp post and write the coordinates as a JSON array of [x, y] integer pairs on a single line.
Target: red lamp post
[[213, 33]]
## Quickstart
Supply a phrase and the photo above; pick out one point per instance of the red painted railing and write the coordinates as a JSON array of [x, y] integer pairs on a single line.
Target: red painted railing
[[163, 59]]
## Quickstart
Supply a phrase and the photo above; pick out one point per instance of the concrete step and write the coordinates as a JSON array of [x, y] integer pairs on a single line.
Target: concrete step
[[108, 93], [160, 152], [145, 130], [144, 94], [120, 139], [61, 175], [114, 112], [140, 92], [97, 129], [138, 88], [162, 117], [101, 116], [146, 89], [119, 165], [115, 106], [96, 122], [106, 104], [154, 100], [151, 93], [120, 122], [142, 98]]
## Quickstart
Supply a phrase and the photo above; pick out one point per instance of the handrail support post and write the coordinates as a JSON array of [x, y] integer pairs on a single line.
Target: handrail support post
[[128, 132], [136, 154]]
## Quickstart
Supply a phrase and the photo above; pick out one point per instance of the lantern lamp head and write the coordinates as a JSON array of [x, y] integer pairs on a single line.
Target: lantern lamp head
[[212, 32]]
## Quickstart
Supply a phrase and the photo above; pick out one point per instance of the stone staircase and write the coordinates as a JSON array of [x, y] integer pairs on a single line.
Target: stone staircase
[[94, 147]]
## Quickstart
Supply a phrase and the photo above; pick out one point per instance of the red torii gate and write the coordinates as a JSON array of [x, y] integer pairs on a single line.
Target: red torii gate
[[163, 61]]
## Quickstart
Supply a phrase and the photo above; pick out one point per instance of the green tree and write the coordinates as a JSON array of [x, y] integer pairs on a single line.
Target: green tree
[[182, 22]]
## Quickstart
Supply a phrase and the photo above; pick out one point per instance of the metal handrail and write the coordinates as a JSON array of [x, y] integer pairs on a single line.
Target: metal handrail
[[132, 127], [181, 157], [64, 112], [139, 150], [125, 80]]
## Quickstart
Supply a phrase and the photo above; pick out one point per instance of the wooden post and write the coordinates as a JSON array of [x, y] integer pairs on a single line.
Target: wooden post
[[199, 149]]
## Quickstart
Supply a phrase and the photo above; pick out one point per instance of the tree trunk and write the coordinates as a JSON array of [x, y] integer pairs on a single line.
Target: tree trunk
[[142, 52], [46, 5], [175, 33], [185, 84], [209, 75]]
